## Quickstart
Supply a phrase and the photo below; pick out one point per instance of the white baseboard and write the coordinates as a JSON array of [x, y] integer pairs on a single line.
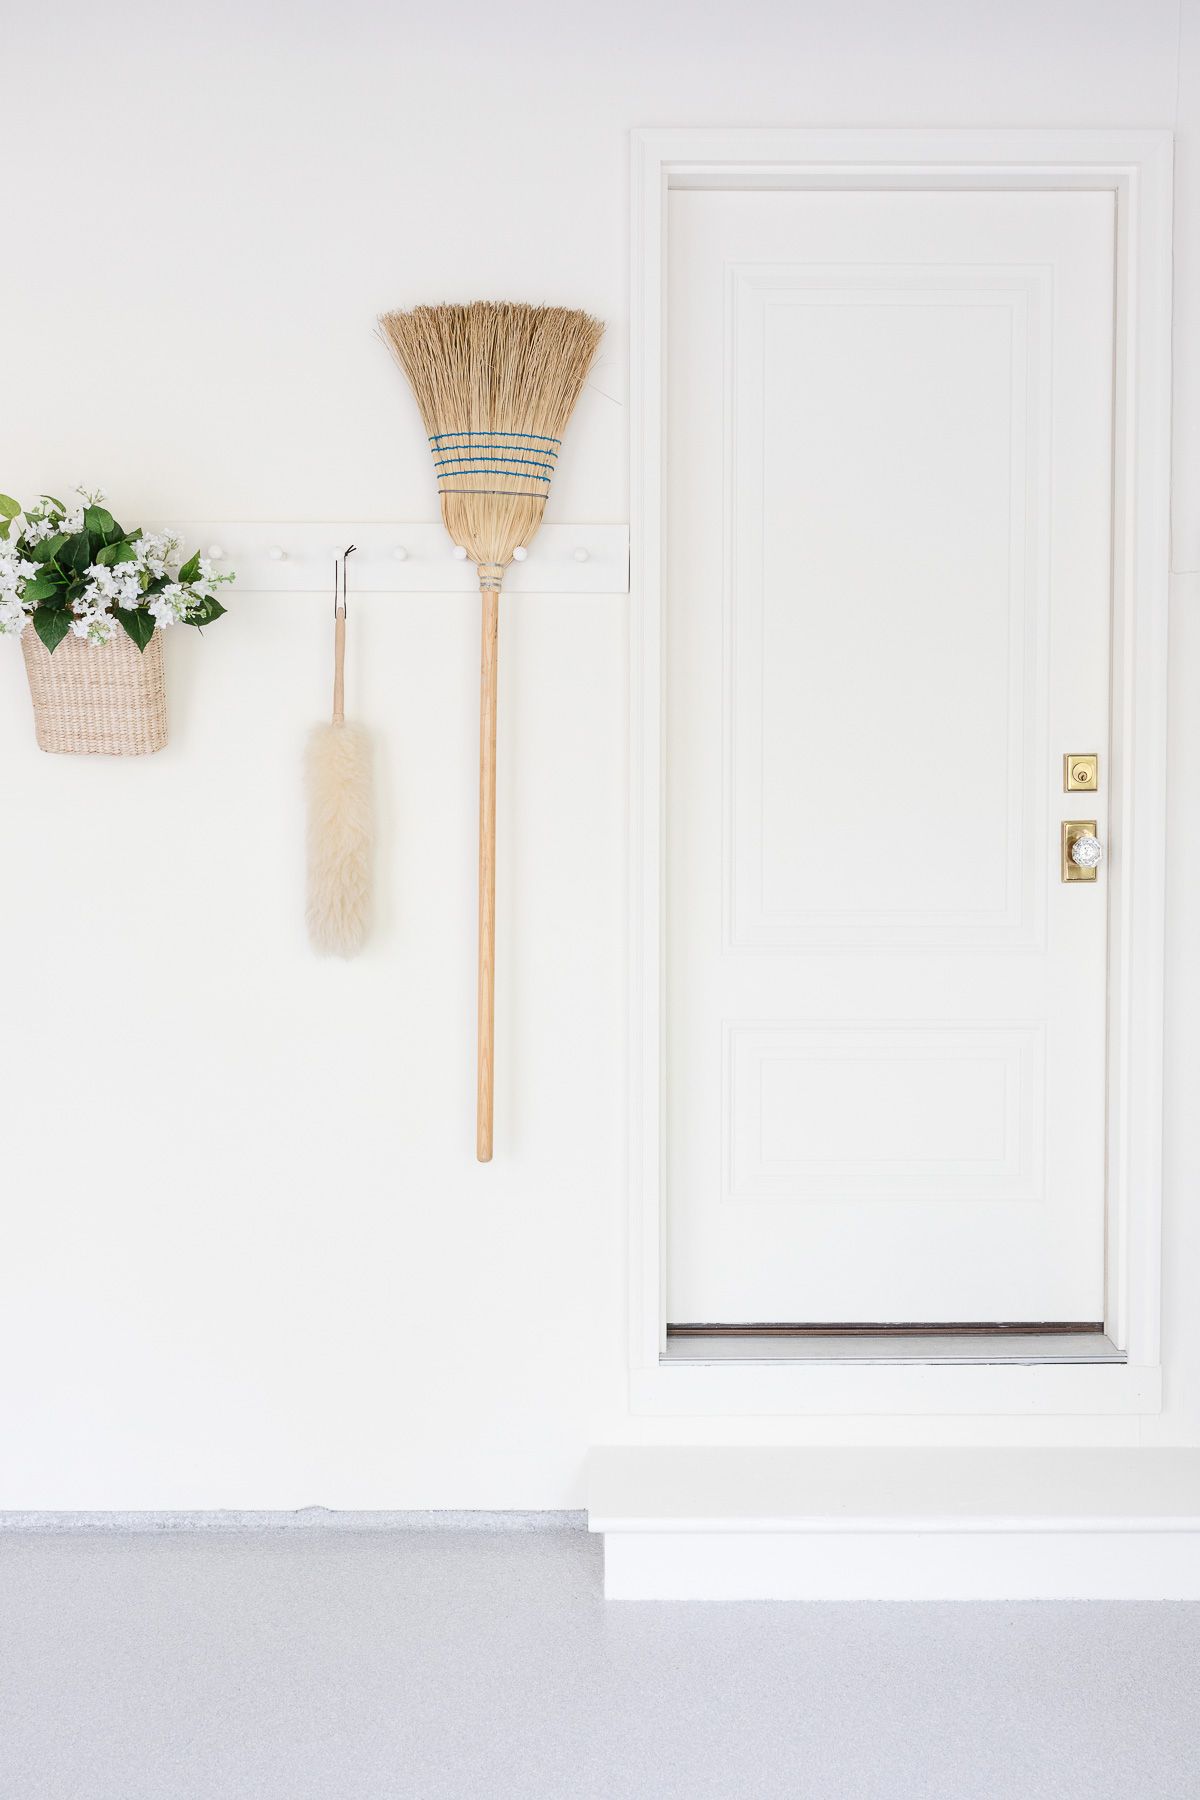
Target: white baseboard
[[926, 1566]]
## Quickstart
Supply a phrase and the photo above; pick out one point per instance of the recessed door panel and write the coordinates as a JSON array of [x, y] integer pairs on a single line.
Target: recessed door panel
[[889, 423]]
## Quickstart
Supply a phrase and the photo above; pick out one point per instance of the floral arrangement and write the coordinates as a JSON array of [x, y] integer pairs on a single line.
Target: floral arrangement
[[74, 569]]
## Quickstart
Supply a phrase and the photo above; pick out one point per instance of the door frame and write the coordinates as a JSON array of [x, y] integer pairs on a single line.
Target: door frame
[[1136, 167]]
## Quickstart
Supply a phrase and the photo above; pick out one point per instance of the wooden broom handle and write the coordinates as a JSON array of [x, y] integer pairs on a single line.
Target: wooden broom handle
[[487, 875], [339, 669]]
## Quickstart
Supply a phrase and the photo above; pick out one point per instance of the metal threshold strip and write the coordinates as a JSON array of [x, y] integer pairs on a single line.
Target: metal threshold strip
[[1000, 1341]]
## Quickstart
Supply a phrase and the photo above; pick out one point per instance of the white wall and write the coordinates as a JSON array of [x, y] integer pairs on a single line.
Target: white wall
[[247, 1257]]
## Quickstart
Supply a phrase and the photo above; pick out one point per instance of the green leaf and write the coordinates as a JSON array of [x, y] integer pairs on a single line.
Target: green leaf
[[191, 569], [48, 548], [154, 584], [138, 623], [123, 552], [99, 522], [47, 584], [52, 627], [76, 553], [61, 504], [9, 508], [204, 612]]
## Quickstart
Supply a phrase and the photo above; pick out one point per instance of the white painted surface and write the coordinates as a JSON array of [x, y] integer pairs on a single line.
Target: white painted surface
[[1136, 167], [1087, 1564], [898, 1389], [290, 1282], [705, 1490], [926, 1525], [887, 604], [403, 557]]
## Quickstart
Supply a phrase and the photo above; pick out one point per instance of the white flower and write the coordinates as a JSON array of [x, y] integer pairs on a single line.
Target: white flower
[[96, 627], [106, 586], [102, 582], [155, 550], [13, 618], [14, 571], [171, 606]]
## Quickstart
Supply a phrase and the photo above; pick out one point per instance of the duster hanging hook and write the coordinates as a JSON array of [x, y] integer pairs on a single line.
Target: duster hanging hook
[[339, 605]]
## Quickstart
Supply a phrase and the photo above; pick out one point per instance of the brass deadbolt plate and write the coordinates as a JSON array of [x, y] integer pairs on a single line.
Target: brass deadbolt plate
[[1081, 774], [1072, 829]]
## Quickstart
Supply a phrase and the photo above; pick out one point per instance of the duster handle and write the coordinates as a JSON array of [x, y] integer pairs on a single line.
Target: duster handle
[[339, 669], [487, 874]]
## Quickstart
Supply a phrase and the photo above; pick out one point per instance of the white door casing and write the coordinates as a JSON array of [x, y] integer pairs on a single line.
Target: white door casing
[[1131, 169], [886, 618]]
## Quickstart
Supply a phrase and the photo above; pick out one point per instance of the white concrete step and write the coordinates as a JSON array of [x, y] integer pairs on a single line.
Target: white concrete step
[[897, 1524]]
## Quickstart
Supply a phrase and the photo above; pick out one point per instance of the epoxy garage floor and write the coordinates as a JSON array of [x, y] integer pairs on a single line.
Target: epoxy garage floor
[[321, 1665]]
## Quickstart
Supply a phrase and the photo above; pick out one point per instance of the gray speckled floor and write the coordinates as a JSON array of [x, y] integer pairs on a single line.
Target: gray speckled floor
[[421, 1665]]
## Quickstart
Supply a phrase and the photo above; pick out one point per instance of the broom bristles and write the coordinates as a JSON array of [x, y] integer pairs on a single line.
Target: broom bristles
[[495, 383], [339, 838]]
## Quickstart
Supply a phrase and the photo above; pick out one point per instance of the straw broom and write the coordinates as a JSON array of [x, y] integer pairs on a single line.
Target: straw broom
[[495, 384]]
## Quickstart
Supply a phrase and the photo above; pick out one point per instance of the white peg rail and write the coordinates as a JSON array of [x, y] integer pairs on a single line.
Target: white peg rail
[[403, 559]]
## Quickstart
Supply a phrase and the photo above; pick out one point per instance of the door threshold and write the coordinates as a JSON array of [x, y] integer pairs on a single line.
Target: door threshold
[[1003, 1344]]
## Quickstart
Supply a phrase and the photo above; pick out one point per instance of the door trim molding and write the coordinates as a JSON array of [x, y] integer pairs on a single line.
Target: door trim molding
[[1135, 166]]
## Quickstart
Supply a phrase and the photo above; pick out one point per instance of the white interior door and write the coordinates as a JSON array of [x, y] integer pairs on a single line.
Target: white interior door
[[888, 601]]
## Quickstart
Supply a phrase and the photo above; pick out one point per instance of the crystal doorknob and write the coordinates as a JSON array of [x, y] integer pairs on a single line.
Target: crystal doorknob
[[1081, 850]]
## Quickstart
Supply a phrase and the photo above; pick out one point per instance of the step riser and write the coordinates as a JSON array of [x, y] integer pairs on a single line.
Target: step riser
[[1109, 1564]]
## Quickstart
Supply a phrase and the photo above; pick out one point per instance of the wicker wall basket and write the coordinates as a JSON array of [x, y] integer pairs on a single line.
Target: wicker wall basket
[[97, 699]]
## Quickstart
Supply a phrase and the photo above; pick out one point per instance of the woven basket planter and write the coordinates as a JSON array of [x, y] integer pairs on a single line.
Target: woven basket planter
[[97, 699]]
